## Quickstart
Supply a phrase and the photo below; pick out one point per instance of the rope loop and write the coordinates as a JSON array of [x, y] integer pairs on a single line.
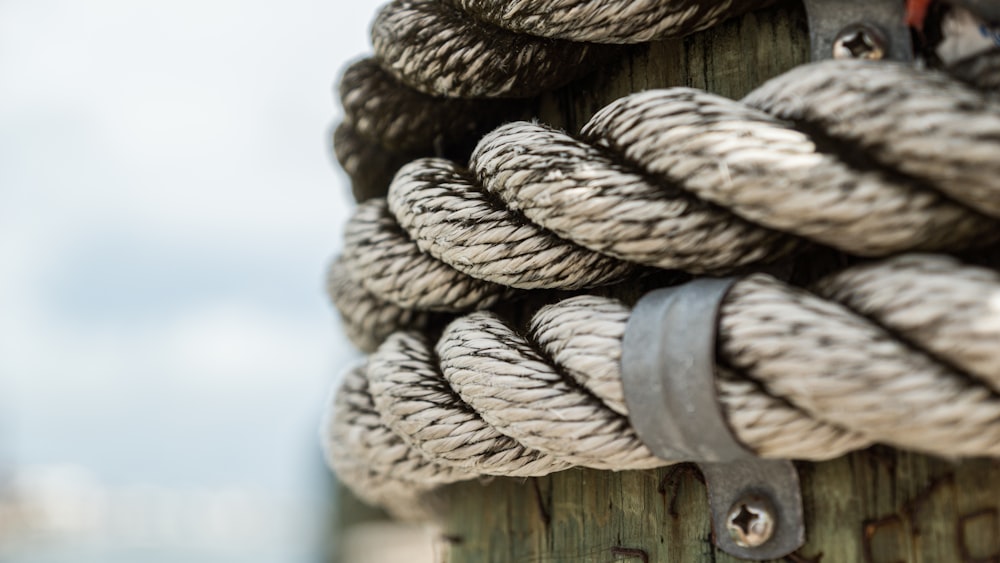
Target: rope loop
[[881, 166], [440, 51], [800, 374], [605, 21], [680, 179]]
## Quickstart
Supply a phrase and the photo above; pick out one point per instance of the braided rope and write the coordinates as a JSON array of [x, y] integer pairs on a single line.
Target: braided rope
[[369, 165], [840, 368], [420, 124], [606, 21], [901, 352], [441, 51], [888, 114], [601, 202], [682, 179], [367, 320], [416, 402], [981, 71], [869, 160], [400, 273], [401, 119], [440, 207], [364, 448], [388, 123], [487, 48]]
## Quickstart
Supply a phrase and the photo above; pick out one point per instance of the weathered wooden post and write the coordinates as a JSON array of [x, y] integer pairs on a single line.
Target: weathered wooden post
[[876, 505]]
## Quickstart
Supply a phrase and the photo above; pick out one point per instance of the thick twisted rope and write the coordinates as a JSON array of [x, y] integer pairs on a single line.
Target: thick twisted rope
[[445, 122], [387, 124], [400, 273], [901, 352], [485, 48], [441, 208], [413, 98], [400, 119], [441, 51], [682, 179], [367, 320], [888, 116], [364, 447], [981, 70], [606, 21], [369, 166], [675, 179]]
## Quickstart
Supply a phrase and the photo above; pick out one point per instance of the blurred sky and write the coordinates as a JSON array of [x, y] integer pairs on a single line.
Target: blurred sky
[[167, 210]]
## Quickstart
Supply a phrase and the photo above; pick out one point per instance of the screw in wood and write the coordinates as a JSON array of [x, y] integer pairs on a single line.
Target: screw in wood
[[859, 41], [751, 521]]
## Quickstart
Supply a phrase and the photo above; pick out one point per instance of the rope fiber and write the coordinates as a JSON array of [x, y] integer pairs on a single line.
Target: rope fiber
[[881, 166], [801, 375], [682, 179]]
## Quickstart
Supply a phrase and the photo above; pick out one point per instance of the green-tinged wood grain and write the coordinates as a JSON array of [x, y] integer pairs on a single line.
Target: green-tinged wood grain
[[730, 59], [877, 506]]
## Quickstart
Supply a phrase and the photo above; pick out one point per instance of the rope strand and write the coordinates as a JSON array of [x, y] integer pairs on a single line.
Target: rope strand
[[890, 113], [868, 159], [605, 21], [799, 376], [676, 179], [440, 51]]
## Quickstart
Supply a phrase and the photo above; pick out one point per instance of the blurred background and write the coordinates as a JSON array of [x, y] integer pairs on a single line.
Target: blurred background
[[167, 209]]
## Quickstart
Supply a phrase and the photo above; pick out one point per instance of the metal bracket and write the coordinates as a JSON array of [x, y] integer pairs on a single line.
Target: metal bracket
[[668, 374], [881, 22], [755, 501]]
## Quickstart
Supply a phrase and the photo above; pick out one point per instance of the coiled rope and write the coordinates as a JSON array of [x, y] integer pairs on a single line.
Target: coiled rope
[[487, 48], [801, 375], [605, 21], [371, 154], [869, 159], [422, 92]]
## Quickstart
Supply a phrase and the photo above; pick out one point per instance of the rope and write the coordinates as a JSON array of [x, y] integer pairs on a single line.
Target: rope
[[387, 124], [439, 206], [682, 179], [369, 166], [869, 160], [386, 115], [487, 48], [435, 49], [367, 320], [478, 49], [364, 447], [981, 71], [401, 119], [888, 114], [801, 375], [400, 273], [605, 21]]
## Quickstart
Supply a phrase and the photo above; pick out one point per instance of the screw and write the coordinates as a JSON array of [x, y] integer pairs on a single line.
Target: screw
[[859, 41], [751, 521]]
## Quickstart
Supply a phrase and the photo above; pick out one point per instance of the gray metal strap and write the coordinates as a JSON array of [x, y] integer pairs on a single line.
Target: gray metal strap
[[668, 370], [745, 494], [668, 374]]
